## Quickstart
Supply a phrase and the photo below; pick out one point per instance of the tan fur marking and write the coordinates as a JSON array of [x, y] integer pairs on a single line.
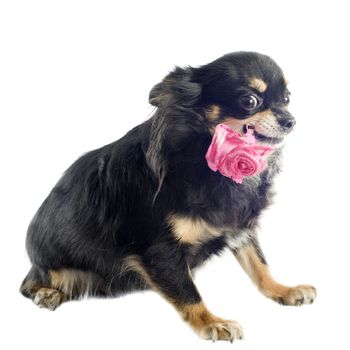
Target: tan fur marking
[[134, 263], [255, 118], [213, 113], [259, 272], [197, 315], [258, 84], [209, 326], [260, 275], [75, 283], [192, 231]]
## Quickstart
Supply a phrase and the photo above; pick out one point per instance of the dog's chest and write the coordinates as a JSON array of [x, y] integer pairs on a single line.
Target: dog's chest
[[198, 252], [197, 231], [230, 206], [225, 221], [219, 212], [224, 203]]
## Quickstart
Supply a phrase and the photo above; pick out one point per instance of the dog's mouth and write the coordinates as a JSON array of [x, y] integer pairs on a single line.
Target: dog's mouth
[[262, 136]]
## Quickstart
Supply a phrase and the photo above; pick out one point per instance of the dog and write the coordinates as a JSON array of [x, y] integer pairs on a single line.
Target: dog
[[145, 211]]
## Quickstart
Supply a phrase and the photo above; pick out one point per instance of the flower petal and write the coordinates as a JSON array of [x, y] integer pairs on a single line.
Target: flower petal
[[236, 156]]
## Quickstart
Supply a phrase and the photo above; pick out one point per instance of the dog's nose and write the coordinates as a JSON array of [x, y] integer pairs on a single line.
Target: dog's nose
[[287, 123]]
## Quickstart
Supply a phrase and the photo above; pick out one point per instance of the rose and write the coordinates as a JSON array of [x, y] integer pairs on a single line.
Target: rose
[[236, 156], [238, 164]]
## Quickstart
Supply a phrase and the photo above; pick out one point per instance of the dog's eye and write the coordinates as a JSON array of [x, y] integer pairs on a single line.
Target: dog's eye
[[286, 98], [249, 102]]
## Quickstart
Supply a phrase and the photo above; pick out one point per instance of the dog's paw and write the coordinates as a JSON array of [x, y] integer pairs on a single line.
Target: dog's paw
[[48, 298], [297, 296], [222, 330]]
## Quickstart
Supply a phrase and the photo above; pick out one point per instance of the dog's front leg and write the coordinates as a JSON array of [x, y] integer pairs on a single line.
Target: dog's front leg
[[164, 268], [252, 260]]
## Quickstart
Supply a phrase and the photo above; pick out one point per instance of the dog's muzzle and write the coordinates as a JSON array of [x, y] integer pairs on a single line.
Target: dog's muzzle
[[285, 120]]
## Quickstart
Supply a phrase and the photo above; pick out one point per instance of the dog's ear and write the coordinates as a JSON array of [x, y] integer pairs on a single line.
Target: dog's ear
[[155, 154], [176, 88]]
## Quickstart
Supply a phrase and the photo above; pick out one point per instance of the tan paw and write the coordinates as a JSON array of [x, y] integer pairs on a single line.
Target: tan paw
[[48, 298], [297, 296], [222, 330]]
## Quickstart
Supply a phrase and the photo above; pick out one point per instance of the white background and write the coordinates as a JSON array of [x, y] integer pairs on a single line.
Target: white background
[[75, 75]]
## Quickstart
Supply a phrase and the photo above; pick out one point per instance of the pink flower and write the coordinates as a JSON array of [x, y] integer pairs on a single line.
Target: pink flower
[[236, 156]]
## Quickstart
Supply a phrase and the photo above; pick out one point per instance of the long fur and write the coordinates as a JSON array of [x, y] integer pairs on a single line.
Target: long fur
[[114, 203]]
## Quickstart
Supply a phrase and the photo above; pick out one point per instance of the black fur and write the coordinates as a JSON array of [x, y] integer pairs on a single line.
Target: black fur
[[114, 202]]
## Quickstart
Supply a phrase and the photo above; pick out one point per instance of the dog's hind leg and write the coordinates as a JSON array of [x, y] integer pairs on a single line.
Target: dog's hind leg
[[50, 288], [37, 286]]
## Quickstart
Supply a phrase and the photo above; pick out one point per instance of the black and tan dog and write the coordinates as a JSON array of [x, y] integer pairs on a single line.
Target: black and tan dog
[[146, 210]]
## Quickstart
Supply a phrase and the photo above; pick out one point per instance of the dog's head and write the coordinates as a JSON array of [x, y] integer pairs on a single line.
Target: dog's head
[[243, 90]]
